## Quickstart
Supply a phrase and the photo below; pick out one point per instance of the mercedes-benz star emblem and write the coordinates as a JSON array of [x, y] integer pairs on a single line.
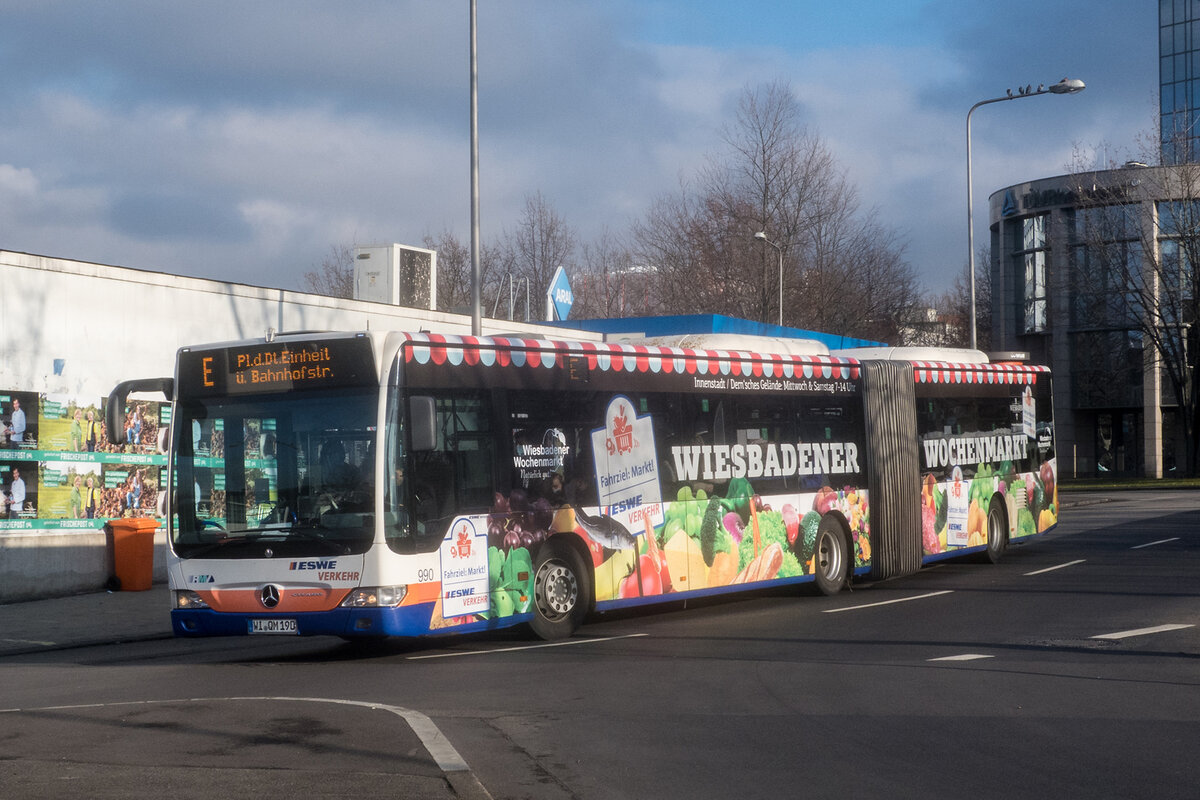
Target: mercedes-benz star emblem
[[269, 596]]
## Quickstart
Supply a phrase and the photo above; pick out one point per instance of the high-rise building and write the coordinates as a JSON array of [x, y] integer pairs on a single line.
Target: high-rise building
[[1179, 80]]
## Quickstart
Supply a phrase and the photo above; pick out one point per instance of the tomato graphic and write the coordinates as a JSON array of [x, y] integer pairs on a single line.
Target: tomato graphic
[[651, 579]]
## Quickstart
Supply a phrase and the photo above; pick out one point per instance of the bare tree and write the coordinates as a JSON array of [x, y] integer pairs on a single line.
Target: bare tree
[[855, 281], [335, 276], [454, 270], [609, 284], [702, 259], [777, 177], [541, 243]]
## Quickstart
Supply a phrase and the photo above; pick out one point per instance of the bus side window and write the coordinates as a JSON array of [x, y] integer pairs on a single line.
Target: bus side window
[[455, 474], [473, 457], [422, 411], [551, 446]]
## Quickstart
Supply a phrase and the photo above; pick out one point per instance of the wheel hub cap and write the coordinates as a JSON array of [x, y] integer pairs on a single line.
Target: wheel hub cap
[[558, 590]]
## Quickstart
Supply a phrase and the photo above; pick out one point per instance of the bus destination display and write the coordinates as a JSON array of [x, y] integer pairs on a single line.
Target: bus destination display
[[277, 367]]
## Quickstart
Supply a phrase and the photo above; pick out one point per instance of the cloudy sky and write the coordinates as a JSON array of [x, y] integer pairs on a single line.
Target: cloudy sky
[[241, 139]]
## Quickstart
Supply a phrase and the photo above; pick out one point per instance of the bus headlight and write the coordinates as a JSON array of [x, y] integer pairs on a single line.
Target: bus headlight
[[375, 597], [189, 599]]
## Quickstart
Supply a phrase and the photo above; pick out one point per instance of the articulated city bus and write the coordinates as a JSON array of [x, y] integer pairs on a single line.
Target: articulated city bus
[[403, 484]]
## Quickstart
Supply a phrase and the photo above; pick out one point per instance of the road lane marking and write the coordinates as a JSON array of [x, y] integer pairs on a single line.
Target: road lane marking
[[439, 747], [887, 602], [28, 641], [963, 657], [526, 647], [1051, 569], [1151, 544], [1143, 631]]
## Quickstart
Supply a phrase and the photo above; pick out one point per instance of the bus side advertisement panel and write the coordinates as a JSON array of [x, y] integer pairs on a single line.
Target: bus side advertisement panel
[[980, 443], [704, 543], [696, 539], [711, 542], [674, 472]]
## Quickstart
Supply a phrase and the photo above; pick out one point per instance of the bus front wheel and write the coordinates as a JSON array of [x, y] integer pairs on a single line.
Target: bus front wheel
[[830, 557], [561, 590], [997, 531]]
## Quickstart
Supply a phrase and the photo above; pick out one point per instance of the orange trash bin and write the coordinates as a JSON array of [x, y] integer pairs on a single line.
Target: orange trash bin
[[133, 552]]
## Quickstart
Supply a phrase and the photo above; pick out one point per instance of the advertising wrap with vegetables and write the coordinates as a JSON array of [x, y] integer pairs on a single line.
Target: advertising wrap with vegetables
[[709, 541], [1030, 501]]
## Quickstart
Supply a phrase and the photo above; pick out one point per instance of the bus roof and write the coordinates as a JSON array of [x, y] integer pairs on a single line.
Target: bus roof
[[743, 342], [950, 355], [733, 347]]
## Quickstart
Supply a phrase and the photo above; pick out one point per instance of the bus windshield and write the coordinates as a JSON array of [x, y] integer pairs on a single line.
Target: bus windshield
[[275, 475]]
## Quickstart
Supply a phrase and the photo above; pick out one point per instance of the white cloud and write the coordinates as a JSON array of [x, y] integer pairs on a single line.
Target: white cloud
[[262, 138], [17, 184]]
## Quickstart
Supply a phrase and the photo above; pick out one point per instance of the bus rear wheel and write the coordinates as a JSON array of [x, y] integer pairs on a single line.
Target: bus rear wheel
[[997, 531], [561, 591], [831, 557]]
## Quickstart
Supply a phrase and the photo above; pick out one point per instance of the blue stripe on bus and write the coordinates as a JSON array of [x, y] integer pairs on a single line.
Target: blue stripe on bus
[[412, 620], [403, 621]]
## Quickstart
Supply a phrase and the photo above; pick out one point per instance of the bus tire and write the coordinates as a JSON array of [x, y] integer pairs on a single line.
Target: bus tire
[[562, 590], [831, 557], [997, 532]]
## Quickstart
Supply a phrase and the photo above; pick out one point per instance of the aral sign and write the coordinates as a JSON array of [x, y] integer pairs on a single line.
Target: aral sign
[[558, 296]]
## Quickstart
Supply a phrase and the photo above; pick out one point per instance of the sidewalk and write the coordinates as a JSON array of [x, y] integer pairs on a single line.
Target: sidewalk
[[86, 619]]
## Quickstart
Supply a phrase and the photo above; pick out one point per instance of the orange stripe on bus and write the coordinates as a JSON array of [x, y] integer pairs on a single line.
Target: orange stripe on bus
[[248, 601], [422, 593]]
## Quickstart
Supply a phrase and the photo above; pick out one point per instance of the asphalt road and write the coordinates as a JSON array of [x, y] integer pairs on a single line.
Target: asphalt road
[[1071, 669]]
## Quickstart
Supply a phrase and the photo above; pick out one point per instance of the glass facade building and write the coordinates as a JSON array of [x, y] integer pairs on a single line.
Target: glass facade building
[[1079, 264], [1179, 80]]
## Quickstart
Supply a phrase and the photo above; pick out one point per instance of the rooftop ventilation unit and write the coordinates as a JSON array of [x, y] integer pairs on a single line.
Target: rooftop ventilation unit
[[396, 274]]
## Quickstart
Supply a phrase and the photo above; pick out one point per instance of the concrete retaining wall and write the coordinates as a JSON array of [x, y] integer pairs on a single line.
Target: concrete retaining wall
[[52, 564]]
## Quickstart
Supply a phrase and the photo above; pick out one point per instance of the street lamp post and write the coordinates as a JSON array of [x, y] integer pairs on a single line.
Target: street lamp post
[[763, 236], [1065, 86], [476, 270]]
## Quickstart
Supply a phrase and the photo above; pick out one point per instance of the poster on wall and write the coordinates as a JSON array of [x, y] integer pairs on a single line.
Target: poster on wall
[[59, 471], [63, 487], [141, 421], [130, 490], [140, 424], [18, 493], [18, 420], [57, 427]]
